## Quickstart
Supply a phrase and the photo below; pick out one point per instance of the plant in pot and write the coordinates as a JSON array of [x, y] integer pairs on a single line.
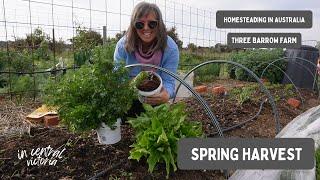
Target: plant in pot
[[93, 97], [147, 83]]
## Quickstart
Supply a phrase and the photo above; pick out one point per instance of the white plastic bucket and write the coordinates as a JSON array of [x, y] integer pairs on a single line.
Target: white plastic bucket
[[107, 135], [156, 91]]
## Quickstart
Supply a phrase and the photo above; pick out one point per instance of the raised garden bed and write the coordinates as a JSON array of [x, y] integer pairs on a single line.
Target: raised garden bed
[[84, 157]]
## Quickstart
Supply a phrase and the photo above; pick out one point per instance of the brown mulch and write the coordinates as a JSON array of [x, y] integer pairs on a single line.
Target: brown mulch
[[12, 116], [84, 157]]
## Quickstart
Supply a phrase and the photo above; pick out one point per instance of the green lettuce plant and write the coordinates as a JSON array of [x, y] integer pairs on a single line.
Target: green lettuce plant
[[157, 133]]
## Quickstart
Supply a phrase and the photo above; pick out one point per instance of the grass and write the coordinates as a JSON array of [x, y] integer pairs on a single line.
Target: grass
[[317, 154]]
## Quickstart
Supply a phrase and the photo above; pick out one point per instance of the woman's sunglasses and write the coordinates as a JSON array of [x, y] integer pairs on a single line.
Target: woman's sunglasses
[[152, 24]]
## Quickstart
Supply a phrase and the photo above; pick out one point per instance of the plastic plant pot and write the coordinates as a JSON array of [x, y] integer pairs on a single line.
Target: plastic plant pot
[[150, 86], [106, 135]]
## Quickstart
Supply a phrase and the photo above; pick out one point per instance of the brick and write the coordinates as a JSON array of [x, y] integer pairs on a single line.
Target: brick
[[219, 90], [51, 121], [294, 102], [201, 89], [35, 120]]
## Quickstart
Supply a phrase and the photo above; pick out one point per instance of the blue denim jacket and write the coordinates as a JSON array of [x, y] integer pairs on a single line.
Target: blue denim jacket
[[169, 61]]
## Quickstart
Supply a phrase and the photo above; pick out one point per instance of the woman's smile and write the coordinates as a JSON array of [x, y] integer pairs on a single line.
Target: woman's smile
[[146, 34]]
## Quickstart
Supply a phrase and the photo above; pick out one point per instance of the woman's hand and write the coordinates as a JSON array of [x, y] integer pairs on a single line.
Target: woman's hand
[[157, 99]]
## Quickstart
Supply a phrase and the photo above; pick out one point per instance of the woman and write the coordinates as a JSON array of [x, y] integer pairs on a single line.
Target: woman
[[147, 42], [318, 66]]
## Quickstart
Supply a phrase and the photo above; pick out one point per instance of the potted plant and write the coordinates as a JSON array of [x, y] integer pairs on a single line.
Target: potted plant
[[93, 97], [148, 83]]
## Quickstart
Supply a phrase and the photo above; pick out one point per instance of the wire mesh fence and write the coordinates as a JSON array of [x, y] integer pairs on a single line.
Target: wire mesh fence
[[37, 36]]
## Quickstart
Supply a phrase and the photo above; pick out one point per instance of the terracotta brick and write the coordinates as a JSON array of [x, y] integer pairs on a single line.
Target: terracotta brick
[[38, 120], [201, 89], [219, 90], [294, 102], [51, 120]]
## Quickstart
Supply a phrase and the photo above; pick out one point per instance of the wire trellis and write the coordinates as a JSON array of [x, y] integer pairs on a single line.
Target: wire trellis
[[60, 19]]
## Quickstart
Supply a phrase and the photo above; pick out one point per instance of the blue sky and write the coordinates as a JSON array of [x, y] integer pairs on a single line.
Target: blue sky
[[194, 19]]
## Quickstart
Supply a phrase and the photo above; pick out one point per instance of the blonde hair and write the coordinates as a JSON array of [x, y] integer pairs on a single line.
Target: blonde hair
[[133, 40]]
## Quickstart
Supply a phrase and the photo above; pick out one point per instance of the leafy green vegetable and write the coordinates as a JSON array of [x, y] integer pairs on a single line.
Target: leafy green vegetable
[[157, 133]]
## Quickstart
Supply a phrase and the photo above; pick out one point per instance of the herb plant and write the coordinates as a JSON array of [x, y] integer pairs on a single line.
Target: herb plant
[[157, 133], [143, 75], [91, 95]]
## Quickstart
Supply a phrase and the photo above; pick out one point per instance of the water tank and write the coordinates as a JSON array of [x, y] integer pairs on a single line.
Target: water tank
[[302, 73]]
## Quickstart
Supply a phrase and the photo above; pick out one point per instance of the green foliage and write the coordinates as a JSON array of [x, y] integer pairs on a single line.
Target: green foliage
[[98, 53], [289, 90], [281, 91], [35, 39], [192, 47], [3, 60], [21, 61], [104, 52], [86, 39], [24, 85], [91, 95], [243, 94], [157, 133], [317, 154], [57, 46], [139, 78], [207, 73], [84, 42], [82, 56], [174, 35], [256, 60], [37, 42], [43, 51], [190, 60]]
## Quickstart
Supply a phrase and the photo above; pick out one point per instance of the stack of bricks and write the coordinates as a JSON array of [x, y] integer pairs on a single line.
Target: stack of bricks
[[44, 116]]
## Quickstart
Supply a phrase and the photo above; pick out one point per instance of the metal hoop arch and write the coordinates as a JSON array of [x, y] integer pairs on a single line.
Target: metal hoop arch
[[196, 95], [262, 87]]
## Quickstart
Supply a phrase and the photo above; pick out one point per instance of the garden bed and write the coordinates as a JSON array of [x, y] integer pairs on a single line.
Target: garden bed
[[84, 157]]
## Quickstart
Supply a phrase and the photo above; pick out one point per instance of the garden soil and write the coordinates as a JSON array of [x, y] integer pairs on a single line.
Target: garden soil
[[84, 158]]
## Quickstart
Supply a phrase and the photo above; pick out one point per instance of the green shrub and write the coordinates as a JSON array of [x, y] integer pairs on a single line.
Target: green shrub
[[3, 62], [91, 95], [207, 73], [21, 61], [43, 52], [256, 60], [104, 52], [24, 85], [82, 56], [157, 133], [98, 53]]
